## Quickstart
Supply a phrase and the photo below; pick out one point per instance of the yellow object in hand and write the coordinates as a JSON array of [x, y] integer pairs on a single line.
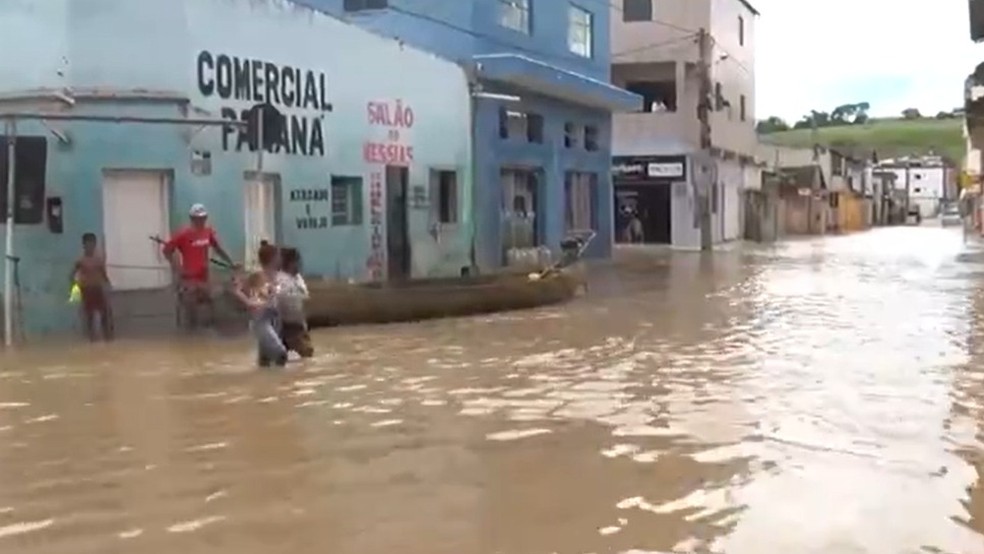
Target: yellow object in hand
[[75, 295]]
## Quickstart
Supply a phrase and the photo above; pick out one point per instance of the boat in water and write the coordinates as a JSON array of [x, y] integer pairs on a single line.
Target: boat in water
[[333, 303]]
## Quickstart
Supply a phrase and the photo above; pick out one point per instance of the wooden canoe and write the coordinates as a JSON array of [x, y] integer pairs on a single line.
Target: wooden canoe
[[334, 303]]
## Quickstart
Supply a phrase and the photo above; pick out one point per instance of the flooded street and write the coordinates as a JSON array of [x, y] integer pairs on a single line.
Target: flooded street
[[824, 395]]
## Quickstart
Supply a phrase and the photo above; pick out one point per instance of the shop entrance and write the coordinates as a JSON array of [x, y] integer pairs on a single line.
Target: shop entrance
[[644, 213]]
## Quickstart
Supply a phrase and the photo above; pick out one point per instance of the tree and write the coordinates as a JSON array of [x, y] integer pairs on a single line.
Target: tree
[[771, 125]]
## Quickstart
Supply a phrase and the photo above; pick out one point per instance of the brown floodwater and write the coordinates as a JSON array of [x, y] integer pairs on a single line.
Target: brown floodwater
[[821, 395]]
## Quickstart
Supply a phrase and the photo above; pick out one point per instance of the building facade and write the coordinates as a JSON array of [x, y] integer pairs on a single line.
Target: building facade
[[926, 181], [371, 179], [656, 54], [542, 106]]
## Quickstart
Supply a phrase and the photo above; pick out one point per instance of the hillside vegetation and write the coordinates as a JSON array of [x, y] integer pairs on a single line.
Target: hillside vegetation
[[890, 138]]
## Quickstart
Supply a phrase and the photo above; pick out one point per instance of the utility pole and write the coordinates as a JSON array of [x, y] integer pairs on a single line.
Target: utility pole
[[704, 117]]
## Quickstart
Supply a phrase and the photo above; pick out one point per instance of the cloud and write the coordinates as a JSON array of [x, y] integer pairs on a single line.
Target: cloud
[[894, 54]]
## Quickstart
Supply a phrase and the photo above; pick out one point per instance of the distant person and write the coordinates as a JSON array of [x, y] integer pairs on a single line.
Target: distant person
[[194, 243], [89, 274], [293, 292], [258, 293]]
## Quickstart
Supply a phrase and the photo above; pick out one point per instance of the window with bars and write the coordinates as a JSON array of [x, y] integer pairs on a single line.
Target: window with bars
[[30, 170], [580, 206], [444, 196], [515, 15], [580, 23], [346, 201]]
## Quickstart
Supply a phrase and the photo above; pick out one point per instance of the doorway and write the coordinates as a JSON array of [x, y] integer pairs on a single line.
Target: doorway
[[397, 232], [135, 208], [520, 202], [644, 213], [260, 208]]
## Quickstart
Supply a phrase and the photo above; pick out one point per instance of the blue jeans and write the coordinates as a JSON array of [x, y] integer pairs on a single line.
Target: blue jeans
[[266, 329]]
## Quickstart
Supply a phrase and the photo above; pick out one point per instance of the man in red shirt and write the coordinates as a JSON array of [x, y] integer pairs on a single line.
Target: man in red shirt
[[194, 243]]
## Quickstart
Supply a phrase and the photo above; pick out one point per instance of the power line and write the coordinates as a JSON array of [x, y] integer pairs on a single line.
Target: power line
[[653, 46]]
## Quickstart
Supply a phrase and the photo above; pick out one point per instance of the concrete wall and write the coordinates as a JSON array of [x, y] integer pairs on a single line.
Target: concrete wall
[[116, 45]]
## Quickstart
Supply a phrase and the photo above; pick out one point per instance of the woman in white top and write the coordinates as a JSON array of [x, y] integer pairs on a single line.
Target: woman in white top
[[292, 292]]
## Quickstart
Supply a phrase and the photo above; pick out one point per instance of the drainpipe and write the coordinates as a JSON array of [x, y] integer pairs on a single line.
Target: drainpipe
[[8, 265]]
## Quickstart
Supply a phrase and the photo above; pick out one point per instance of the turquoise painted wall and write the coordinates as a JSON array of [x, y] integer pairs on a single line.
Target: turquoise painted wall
[[99, 46]]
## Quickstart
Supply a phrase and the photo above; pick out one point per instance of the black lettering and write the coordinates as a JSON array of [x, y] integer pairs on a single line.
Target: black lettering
[[257, 71], [243, 136], [287, 82], [272, 77], [298, 86], [317, 138], [206, 68], [223, 72], [230, 114], [285, 139], [310, 91], [241, 74], [299, 134], [323, 89]]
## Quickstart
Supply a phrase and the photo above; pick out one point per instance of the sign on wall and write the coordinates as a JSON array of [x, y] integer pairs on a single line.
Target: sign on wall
[[301, 94], [670, 168]]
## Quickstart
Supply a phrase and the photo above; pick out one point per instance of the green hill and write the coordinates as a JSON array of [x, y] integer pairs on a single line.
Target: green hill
[[889, 137]]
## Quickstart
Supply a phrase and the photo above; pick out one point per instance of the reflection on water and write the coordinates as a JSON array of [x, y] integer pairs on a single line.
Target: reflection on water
[[819, 396]]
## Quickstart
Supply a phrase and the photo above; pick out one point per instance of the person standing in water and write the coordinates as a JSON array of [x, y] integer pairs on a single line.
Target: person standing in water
[[293, 292], [259, 294], [89, 273], [194, 244]]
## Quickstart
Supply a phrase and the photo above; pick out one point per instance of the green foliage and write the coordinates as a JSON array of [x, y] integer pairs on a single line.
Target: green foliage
[[890, 138]]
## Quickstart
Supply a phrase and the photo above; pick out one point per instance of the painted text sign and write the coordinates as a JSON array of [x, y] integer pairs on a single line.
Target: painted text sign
[[300, 94]]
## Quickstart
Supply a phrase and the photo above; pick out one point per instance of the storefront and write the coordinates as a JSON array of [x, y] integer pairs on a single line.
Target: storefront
[[371, 177], [645, 188]]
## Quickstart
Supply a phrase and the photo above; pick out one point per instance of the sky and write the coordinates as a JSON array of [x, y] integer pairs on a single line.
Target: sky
[[894, 54]]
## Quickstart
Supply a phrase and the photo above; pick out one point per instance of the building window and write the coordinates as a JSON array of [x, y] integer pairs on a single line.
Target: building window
[[29, 179], [834, 200], [570, 135], [579, 31], [715, 197], [741, 31], [534, 128], [591, 138], [657, 96], [444, 196], [346, 201], [719, 101], [744, 114], [637, 10], [363, 5], [515, 15], [580, 208], [526, 126]]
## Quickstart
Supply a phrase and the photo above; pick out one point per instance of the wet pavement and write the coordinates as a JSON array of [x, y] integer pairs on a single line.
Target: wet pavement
[[822, 395]]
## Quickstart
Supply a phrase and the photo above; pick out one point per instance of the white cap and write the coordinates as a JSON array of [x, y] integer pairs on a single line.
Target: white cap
[[198, 210]]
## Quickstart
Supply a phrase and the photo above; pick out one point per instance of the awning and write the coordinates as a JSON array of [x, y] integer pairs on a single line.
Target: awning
[[546, 79]]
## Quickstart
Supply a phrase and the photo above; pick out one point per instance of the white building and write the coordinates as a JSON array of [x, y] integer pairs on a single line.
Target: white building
[[928, 181]]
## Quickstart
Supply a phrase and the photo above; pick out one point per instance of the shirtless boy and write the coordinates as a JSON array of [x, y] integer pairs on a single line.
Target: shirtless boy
[[89, 272]]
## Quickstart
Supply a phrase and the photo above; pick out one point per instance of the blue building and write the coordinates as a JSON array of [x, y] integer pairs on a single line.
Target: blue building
[[542, 105], [371, 180]]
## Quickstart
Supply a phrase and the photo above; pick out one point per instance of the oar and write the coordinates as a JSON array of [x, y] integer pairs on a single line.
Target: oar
[[215, 261]]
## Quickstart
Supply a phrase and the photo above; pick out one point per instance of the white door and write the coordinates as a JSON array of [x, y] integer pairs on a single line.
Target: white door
[[260, 215], [135, 209]]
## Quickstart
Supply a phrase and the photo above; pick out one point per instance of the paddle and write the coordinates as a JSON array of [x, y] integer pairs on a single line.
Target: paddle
[[215, 261]]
